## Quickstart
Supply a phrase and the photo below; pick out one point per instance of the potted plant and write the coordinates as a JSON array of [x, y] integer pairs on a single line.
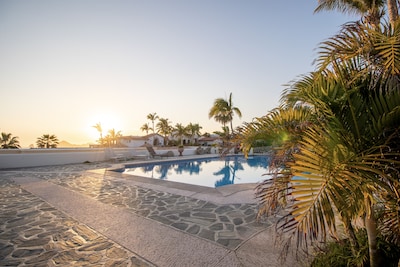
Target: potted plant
[[180, 149]]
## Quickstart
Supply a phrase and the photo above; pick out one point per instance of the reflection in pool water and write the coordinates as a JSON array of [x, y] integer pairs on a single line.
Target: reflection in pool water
[[212, 172]]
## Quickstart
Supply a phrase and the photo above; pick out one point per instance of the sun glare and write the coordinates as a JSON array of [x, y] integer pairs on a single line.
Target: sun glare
[[108, 121]]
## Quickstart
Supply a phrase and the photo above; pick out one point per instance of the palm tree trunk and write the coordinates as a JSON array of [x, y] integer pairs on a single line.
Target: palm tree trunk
[[351, 234], [393, 11], [370, 226]]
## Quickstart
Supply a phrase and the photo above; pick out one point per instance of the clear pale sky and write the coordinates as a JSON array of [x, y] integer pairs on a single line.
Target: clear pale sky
[[66, 65]]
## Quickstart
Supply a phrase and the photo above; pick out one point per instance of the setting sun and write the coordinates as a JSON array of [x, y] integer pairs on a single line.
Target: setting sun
[[107, 120]]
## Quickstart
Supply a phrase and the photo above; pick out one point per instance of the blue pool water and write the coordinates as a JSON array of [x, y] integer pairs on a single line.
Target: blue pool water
[[211, 172]]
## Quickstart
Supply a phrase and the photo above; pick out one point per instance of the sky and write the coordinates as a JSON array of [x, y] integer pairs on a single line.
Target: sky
[[67, 65]]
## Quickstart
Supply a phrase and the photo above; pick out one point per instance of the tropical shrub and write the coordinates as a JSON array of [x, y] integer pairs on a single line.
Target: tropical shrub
[[337, 144]]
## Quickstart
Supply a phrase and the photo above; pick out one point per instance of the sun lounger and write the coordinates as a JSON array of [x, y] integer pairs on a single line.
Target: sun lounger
[[199, 151], [153, 154]]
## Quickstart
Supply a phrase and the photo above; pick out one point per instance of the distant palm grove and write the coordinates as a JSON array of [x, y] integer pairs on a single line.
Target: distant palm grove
[[334, 144]]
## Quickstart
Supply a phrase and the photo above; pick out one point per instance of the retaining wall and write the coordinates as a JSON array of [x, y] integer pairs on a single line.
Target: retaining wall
[[19, 158]]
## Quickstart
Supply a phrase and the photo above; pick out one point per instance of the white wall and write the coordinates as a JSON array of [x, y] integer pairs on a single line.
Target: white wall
[[19, 158]]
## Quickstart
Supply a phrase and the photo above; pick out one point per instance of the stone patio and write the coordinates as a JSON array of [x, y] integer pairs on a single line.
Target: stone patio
[[86, 215]]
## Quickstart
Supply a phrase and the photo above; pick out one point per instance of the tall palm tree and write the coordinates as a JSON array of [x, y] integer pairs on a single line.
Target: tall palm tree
[[47, 141], [146, 128], [370, 10], [180, 131], [223, 111], [98, 127], [8, 141], [393, 10], [164, 128], [152, 117], [193, 130]]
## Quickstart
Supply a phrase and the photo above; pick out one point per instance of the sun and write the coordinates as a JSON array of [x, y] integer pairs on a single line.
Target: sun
[[107, 120]]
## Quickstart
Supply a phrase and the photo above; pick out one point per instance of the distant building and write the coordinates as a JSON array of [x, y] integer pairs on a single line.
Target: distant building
[[138, 141], [210, 140]]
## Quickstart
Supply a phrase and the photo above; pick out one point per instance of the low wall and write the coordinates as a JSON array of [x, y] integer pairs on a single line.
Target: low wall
[[19, 158]]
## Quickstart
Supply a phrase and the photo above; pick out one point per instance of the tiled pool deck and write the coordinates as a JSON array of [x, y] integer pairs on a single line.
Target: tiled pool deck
[[85, 215]]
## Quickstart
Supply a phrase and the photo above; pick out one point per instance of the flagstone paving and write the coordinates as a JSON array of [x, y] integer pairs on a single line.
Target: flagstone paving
[[33, 233]]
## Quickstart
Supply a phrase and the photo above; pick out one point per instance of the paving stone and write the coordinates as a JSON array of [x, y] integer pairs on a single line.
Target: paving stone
[[9, 235], [116, 263], [32, 232], [207, 234], [229, 227], [180, 226], [17, 222], [223, 209], [75, 241], [20, 253], [209, 205], [66, 257], [96, 246], [223, 218], [237, 221], [85, 232], [207, 215], [32, 242], [216, 227], [115, 252], [173, 217], [230, 243], [136, 262], [184, 214], [94, 258], [43, 258], [194, 229], [11, 262], [161, 219], [201, 222], [226, 235]]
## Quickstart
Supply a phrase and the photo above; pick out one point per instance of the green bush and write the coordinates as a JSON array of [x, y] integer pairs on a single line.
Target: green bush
[[339, 253]]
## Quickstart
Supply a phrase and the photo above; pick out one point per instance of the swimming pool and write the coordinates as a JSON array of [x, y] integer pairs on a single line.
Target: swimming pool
[[211, 172]]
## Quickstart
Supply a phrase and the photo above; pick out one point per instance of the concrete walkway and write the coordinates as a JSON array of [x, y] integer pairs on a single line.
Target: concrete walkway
[[84, 215]]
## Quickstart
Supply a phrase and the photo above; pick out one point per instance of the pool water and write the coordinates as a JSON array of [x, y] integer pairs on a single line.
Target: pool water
[[211, 172]]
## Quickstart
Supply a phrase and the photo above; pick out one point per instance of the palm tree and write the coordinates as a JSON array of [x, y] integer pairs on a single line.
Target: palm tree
[[372, 11], [112, 137], [393, 11], [146, 128], [8, 141], [152, 117], [180, 131], [164, 128], [224, 135], [193, 130], [47, 141], [223, 110], [338, 131], [100, 130]]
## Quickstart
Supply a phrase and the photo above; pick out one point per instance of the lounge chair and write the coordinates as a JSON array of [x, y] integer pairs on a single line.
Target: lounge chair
[[199, 151], [153, 154]]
